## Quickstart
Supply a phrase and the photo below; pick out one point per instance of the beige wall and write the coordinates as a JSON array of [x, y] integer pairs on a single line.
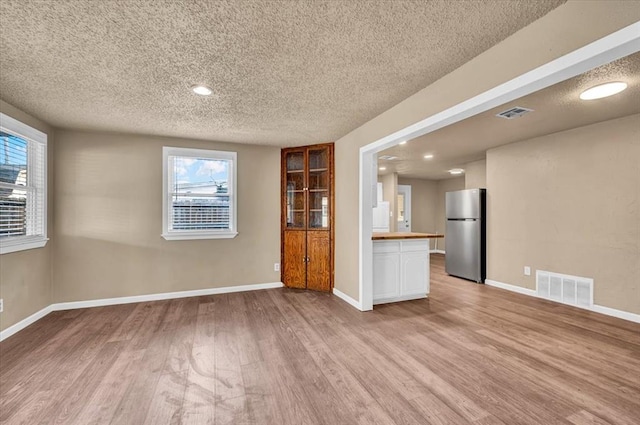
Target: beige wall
[[566, 28], [475, 174], [569, 203], [108, 219], [390, 194], [25, 276]]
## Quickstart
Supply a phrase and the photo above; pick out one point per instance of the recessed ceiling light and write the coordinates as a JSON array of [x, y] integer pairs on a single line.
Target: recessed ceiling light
[[382, 168], [603, 90], [201, 90], [428, 156], [456, 171], [404, 142]]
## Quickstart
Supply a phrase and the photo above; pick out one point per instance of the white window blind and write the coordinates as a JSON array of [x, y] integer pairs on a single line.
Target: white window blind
[[23, 198], [199, 194]]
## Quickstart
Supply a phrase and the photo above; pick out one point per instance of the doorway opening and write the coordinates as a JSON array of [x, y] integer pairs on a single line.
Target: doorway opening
[[404, 208], [607, 49]]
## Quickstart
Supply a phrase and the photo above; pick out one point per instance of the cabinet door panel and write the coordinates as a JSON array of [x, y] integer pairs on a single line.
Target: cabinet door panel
[[415, 273], [386, 276], [294, 267], [319, 266]]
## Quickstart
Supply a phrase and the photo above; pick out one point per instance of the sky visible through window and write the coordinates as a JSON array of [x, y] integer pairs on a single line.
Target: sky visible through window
[[13, 158], [14, 150], [200, 170]]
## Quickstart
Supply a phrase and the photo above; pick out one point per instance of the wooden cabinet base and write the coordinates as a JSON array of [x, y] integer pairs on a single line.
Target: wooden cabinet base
[[294, 264], [319, 263]]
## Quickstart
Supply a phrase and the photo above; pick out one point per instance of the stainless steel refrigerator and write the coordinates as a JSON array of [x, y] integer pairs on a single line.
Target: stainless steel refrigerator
[[466, 234]]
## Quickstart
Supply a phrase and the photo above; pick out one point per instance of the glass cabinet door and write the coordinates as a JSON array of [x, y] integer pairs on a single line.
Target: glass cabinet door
[[295, 189], [319, 188]]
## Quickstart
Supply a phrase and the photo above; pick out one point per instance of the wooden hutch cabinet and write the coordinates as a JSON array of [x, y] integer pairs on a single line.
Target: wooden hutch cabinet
[[307, 217]]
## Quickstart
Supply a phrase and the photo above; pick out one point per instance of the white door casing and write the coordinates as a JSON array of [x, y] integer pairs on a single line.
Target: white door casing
[[404, 208]]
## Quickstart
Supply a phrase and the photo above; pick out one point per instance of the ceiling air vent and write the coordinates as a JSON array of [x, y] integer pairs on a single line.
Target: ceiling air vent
[[514, 112], [388, 157]]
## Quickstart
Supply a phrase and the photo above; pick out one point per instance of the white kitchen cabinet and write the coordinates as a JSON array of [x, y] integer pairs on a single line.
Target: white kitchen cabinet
[[400, 270]]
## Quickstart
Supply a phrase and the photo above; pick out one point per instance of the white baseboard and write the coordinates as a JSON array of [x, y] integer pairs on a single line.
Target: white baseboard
[[347, 298], [24, 323], [163, 296], [512, 288], [437, 251], [625, 315], [607, 311], [128, 300], [397, 299]]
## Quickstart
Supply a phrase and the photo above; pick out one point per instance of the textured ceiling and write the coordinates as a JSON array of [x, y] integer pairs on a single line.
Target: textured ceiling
[[556, 108], [283, 73]]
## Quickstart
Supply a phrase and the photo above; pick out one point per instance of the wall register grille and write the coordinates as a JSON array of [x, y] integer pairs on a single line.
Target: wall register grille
[[566, 289]]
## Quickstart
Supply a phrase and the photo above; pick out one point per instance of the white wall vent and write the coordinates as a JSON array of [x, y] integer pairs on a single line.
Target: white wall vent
[[566, 289], [388, 157], [515, 112]]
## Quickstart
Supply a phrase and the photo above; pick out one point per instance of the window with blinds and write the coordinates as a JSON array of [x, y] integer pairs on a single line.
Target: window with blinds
[[23, 202], [199, 194]]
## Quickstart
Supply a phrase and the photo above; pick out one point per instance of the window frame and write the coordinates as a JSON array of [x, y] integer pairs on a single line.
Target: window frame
[[175, 235], [9, 244]]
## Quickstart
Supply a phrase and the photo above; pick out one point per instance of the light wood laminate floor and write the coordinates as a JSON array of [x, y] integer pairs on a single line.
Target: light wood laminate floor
[[470, 354]]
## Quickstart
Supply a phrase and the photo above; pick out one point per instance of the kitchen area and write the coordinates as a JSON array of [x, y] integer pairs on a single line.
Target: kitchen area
[[561, 158], [402, 246]]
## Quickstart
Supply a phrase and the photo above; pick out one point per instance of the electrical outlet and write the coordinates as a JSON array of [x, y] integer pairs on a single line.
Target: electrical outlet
[[1, 305], [527, 271], [276, 267]]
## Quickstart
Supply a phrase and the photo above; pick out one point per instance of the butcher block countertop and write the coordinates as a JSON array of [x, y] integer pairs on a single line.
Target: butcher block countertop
[[404, 235]]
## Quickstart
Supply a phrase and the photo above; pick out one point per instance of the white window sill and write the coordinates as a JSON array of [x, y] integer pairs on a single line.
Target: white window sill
[[21, 244], [175, 236]]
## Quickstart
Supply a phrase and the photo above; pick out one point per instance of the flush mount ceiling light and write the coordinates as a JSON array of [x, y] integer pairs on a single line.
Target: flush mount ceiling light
[[201, 90], [382, 168], [456, 171], [429, 156], [404, 142], [603, 90]]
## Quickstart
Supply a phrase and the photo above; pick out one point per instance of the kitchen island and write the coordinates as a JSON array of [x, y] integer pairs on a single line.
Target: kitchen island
[[401, 266]]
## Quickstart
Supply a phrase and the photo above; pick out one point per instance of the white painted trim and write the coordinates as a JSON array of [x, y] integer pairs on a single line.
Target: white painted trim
[[183, 236], [36, 140], [368, 160], [163, 296], [9, 245], [13, 125], [347, 299], [437, 251], [135, 299], [625, 315], [232, 189], [17, 327], [397, 299], [607, 49], [607, 311], [512, 288]]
